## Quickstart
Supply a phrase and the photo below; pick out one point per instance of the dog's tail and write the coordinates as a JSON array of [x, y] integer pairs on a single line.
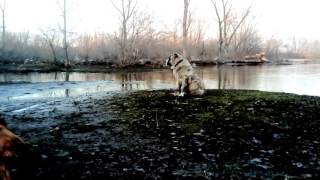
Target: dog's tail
[[195, 86], [198, 92]]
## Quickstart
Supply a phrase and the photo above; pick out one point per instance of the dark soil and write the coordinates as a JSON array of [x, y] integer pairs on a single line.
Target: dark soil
[[155, 135]]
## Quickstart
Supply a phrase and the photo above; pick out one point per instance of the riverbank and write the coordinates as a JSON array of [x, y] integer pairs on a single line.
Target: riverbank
[[152, 134], [46, 68], [109, 68]]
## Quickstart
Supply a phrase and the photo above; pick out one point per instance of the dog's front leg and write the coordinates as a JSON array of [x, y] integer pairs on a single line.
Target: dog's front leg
[[183, 88], [179, 84], [179, 87]]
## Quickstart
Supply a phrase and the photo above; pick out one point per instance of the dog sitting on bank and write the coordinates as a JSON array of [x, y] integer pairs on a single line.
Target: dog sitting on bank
[[187, 81], [8, 144]]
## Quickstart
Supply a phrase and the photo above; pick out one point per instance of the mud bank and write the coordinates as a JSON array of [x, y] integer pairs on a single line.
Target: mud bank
[[76, 68], [154, 135]]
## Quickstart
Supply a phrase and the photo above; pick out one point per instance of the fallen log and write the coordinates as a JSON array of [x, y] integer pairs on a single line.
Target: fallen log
[[260, 57]]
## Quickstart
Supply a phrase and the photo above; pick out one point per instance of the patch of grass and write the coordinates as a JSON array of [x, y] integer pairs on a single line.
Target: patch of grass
[[253, 131]]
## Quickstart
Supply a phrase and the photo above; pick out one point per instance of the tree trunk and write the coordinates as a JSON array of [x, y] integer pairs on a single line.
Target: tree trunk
[[126, 10], [124, 42], [220, 51], [65, 43], [184, 28], [225, 29], [55, 60], [3, 45]]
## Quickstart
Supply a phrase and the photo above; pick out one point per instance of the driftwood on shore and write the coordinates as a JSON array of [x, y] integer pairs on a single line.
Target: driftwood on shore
[[255, 59], [258, 57]]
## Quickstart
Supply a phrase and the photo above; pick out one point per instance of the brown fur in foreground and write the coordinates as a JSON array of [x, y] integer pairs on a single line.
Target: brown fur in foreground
[[8, 144]]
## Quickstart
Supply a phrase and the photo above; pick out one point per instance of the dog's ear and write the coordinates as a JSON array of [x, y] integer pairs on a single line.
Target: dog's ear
[[175, 55]]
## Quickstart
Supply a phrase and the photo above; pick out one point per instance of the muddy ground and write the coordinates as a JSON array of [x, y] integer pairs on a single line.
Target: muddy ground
[[154, 135]]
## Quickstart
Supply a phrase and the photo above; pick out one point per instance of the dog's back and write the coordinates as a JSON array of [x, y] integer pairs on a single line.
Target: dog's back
[[183, 70]]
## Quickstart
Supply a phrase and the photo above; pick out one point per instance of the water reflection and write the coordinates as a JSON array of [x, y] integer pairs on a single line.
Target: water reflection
[[54, 90], [67, 80], [297, 78]]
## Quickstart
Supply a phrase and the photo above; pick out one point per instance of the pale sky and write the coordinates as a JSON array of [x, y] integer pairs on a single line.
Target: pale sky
[[279, 18]]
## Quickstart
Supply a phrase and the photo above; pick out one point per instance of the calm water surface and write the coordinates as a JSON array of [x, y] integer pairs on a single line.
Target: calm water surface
[[297, 78]]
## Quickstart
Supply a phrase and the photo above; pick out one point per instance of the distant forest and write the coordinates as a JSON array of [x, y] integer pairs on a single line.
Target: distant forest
[[138, 39]]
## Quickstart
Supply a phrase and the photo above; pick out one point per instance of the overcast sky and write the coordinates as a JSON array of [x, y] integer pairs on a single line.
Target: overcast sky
[[278, 18]]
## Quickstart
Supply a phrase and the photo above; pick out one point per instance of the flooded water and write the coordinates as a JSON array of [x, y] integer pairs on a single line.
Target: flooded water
[[297, 78]]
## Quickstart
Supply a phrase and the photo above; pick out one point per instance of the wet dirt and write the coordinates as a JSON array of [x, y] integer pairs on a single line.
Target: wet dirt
[[154, 135]]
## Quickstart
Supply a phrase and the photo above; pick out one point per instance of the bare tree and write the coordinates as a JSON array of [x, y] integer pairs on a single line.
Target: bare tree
[[65, 44], [196, 38], [136, 32], [185, 27], [126, 9], [64, 29], [85, 46], [246, 42], [228, 24], [3, 12], [272, 48], [50, 36]]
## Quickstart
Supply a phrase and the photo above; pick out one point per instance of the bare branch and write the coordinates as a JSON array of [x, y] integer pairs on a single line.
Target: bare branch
[[3, 5], [116, 7], [185, 26], [243, 18], [216, 10]]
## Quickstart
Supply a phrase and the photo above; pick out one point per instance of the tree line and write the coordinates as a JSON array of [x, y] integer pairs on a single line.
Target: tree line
[[138, 40]]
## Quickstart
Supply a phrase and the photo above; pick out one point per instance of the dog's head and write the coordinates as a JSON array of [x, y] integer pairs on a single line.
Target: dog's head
[[173, 59], [9, 142]]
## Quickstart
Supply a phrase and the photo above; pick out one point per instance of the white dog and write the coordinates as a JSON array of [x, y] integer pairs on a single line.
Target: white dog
[[187, 81]]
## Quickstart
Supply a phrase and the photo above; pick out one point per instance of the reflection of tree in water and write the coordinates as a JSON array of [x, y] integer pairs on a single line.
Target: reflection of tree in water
[[153, 78], [56, 76], [5, 78], [12, 77], [236, 77], [129, 81], [222, 78], [67, 91]]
